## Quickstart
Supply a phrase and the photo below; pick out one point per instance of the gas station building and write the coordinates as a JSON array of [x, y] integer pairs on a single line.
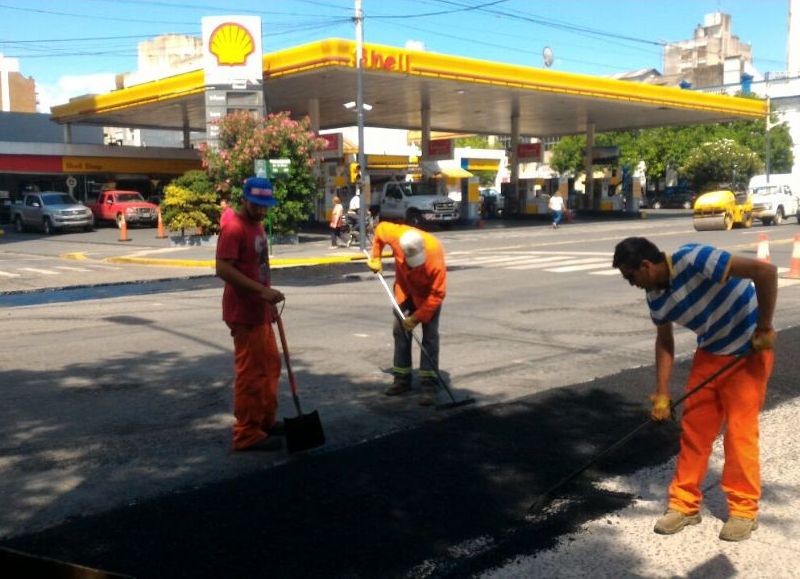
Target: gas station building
[[422, 91]]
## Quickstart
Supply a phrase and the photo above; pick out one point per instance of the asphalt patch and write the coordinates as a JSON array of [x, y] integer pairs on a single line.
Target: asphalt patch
[[446, 499]]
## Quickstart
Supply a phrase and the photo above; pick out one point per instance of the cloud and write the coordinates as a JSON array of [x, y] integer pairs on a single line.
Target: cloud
[[71, 86]]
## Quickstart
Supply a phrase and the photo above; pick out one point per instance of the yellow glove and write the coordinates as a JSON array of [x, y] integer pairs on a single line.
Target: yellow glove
[[374, 263], [661, 407], [764, 339], [410, 323]]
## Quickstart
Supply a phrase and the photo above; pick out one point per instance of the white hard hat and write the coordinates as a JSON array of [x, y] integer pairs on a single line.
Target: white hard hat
[[413, 247]]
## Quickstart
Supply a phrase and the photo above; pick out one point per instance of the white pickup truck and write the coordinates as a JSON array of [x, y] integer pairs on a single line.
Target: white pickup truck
[[415, 203], [775, 200]]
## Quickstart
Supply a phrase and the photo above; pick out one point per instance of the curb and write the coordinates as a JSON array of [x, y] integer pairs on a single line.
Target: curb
[[276, 263]]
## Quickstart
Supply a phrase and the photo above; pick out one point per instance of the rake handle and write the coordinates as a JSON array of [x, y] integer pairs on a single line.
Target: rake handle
[[292, 381], [539, 502]]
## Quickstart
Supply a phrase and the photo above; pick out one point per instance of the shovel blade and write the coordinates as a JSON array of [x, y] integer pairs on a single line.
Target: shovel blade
[[304, 432]]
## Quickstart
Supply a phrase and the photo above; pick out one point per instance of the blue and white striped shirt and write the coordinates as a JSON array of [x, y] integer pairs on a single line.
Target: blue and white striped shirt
[[722, 311]]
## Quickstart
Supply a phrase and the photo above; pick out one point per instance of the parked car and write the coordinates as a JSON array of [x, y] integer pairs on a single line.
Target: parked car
[[493, 203], [51, 211], [673, 198], [113, 205]]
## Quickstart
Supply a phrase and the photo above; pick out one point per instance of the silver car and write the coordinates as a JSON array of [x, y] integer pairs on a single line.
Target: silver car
[[51, 211]]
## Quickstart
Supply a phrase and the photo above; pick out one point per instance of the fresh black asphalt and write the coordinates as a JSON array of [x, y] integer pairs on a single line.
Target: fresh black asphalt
[[445, 499]]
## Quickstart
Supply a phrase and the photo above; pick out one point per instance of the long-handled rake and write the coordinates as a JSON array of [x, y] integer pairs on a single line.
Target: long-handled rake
[[545, 497], [399, 312]]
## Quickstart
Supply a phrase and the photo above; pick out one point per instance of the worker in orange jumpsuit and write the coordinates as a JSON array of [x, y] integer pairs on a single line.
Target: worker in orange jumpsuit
[[248, 308], [729, 302], [420, 287]]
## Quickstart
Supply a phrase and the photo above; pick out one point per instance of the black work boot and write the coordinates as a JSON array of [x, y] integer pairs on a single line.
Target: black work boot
[[400, 385], [428, 396]]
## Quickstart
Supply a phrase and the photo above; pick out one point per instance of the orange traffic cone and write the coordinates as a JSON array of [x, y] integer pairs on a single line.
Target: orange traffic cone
[[794, 264], [160, 234], [763, 248], [123, 228]]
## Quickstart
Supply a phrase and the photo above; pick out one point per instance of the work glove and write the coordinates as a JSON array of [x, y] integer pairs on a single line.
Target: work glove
[[661, 409], [764, 340], [410, 323], [374, 263]]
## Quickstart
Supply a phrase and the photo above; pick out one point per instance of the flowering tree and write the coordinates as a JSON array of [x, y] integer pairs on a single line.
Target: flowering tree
[[244, 138], [721, 161]]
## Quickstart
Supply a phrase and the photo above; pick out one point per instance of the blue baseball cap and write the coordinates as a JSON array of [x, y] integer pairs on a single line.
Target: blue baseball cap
[[259, 191]]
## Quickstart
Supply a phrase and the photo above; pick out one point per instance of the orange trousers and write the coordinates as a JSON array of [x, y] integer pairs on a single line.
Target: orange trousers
[[255, 388], [735, 397]]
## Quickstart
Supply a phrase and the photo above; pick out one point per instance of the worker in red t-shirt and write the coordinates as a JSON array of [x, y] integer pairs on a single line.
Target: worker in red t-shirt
[[248, 308]]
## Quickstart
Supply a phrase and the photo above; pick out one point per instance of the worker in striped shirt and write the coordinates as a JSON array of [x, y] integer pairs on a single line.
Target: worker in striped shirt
[[729, 302]]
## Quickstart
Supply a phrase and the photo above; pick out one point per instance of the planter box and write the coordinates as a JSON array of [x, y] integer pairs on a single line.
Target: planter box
[[192, 240]]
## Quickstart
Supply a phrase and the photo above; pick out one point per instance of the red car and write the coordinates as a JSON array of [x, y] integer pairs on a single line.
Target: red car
[[113, 205]]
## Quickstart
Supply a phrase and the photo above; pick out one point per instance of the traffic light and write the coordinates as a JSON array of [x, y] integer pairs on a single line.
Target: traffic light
[[355, 173]]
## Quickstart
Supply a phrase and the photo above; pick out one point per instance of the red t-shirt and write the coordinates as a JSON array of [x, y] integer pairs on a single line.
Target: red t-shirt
[[245, 243]]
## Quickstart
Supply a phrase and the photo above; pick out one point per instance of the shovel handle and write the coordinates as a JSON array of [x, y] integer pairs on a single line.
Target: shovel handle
[[292, 381]]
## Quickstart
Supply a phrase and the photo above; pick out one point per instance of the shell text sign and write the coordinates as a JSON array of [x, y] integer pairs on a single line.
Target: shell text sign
[[231, 44]]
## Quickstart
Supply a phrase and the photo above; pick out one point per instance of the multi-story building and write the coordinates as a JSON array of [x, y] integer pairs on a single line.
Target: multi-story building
[[17, 93], [704, 60]]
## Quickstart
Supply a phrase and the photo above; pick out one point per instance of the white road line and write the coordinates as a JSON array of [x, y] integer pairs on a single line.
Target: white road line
[[611, 271], [7, 274], [542, 264], [68, 268], [35, 270], [586, 267]]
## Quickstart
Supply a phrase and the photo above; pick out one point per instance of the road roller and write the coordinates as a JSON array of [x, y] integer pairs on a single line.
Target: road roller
[[722, 210]]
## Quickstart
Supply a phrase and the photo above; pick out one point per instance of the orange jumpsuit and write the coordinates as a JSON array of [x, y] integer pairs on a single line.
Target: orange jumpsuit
[[736, 397]]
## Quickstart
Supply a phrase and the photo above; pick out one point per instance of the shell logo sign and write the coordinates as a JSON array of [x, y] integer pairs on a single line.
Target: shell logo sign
[[232, 50], [231, 44]]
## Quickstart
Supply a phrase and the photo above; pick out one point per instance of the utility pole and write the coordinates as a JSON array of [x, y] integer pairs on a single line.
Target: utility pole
[[362, 209]]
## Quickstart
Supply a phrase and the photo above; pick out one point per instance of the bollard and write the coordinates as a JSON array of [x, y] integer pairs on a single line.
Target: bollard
[[160, 234], [794, 263], [762, 253], [123, 228]]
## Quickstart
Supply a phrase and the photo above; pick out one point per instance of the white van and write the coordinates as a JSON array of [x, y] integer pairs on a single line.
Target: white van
[[776, 199]]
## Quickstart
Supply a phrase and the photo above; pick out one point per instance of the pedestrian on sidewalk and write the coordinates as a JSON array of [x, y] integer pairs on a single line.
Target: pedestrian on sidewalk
[[556, 207], [336, 222], [729, 302], [420, 287], [248, 309], [227, 211]]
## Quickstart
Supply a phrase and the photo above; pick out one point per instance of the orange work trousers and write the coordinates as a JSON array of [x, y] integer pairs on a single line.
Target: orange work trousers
[[735, 397], [255, 388]]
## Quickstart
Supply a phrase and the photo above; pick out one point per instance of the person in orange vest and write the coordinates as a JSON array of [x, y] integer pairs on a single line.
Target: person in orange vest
[[248, 309], [420, 287]]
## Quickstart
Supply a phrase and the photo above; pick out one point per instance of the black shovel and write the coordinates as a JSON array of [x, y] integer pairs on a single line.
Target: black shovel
[[305, 430]]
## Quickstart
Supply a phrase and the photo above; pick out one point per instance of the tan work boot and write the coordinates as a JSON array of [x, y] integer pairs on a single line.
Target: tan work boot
[[737, 529], [673, 521], [399, 386]]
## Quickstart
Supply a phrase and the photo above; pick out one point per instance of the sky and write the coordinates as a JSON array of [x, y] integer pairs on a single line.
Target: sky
[[77, 47]]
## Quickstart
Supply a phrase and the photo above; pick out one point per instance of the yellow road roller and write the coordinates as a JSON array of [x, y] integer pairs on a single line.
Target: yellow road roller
[[722, 210]]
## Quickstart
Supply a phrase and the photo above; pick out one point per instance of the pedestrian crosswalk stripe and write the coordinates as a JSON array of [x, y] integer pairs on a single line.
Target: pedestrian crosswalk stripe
[[610, 271], [542, 264], [7, 274], [585, 267], [36, 270], [69, 268]]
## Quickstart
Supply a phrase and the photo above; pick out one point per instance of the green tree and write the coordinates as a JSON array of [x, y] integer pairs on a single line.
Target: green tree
[[243, 139], [477, 142], [721, 161], [568, 155], [190, 203]]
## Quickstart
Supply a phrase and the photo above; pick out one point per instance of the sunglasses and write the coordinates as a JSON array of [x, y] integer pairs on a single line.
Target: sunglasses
[[628, 276]]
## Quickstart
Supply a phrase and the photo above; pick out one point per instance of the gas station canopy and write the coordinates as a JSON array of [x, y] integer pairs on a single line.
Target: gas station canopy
[[463, 95]]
